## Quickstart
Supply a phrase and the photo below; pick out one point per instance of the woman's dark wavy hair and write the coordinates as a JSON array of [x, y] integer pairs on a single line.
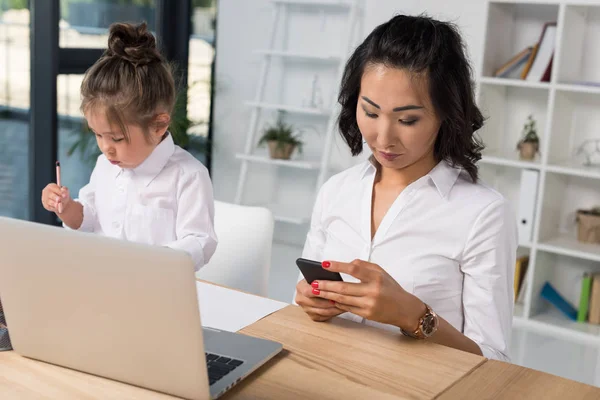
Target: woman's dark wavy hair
[[421, 45]]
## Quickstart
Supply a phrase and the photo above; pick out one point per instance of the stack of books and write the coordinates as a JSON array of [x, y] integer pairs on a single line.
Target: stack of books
[[589, 300], [533, 63]]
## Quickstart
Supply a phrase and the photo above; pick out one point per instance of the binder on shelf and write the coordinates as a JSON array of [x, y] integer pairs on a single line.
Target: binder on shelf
[[527, 201], [550, 294], [584, 298]]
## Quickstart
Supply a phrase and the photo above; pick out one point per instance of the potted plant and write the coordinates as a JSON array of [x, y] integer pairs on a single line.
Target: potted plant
[[281, 140], [529, 146]]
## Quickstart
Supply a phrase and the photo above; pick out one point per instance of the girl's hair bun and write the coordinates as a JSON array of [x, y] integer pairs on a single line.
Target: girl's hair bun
[[133, 43]]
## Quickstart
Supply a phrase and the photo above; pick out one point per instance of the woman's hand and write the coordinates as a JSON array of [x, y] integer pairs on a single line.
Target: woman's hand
[[317, 309], [378, 297]]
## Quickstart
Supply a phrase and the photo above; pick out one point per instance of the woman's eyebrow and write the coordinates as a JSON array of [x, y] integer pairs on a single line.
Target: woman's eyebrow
[[403, 108]]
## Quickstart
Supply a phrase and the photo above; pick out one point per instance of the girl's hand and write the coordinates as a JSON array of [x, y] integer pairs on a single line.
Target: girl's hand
[[52, 195], [317, 309], [378, 297]]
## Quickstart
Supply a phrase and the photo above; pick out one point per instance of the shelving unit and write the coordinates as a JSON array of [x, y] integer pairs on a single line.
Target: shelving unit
[[306, 50], [567, 112], [300, 56]]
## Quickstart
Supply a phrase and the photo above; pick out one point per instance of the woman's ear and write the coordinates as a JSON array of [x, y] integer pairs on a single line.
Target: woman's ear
[[160, 125]]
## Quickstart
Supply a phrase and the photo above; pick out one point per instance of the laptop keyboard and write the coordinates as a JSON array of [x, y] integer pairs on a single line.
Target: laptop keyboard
[[219, 366]]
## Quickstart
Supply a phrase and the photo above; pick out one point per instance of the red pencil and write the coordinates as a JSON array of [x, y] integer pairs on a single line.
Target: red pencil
[[59, 185]]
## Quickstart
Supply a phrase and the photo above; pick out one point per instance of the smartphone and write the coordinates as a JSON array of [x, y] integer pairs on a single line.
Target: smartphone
[[313, 271]]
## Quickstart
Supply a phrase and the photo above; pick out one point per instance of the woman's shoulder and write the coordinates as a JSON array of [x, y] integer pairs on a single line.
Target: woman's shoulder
[[347, 177], [479, 195]]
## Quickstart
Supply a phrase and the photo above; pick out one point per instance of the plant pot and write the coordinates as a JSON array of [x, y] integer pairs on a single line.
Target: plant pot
[[280, 151], [528, 150], [588, 227]]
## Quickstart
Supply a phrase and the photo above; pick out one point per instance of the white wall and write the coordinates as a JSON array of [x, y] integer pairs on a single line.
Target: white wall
[[242, 27]]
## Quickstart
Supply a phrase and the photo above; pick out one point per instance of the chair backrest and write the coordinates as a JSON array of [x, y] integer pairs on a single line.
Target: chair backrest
[[243, 256]]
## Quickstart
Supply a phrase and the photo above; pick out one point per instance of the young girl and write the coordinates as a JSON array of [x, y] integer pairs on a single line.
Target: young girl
[[425, 249], [144, 188]]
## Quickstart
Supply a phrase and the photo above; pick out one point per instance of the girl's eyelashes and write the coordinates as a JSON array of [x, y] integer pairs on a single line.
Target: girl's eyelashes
[[114, 139]]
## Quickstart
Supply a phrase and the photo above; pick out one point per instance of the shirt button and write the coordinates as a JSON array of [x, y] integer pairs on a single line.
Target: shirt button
[[121, 189], [116, 225]]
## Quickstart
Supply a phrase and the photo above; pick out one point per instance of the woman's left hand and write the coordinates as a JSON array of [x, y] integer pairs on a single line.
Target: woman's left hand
[[377, 297]]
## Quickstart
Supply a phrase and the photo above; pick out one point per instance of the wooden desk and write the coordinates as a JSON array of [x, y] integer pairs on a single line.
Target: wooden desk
[[344, 360], [499, 380], [334, 360]]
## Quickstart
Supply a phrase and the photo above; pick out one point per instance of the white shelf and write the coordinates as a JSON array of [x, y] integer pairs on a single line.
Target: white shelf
[[578, 88], [513, 83], [552, 322], [566, 114], [569, 246], [315, 3], [509, 160], [292, 109], [300, 56], [310, 165], [284, 214], [574, 168]]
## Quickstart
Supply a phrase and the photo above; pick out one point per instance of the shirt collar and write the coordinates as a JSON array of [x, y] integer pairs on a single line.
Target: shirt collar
[[443, 175], [154, 163]]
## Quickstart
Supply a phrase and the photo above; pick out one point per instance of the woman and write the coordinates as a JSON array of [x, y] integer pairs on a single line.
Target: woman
[[424, 248]]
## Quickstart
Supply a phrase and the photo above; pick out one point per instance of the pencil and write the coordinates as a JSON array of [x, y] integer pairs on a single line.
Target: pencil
[[59, 185]]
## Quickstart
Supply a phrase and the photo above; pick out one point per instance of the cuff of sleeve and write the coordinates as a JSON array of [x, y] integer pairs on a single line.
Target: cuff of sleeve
[[191, 246], [89, 217], [493, 354]]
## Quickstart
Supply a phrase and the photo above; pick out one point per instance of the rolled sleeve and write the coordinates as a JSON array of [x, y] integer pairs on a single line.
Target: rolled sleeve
[[194, 226], [488, 264]]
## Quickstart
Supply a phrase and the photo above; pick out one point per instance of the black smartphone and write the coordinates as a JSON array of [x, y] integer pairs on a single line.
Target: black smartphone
[[313, 271]]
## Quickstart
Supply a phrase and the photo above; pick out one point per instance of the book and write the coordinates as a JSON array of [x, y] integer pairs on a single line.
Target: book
[[523, 289], [541, 66], [554, 298], [594, 311], [520, 269], [512, 65], [584, 298], [529, 61]]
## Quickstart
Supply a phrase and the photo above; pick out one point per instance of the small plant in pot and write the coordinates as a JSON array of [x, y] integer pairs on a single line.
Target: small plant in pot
[[529, 145], [281, 139]]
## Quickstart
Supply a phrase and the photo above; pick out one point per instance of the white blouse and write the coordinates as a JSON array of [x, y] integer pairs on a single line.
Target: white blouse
[[448, 241], [166, 201]]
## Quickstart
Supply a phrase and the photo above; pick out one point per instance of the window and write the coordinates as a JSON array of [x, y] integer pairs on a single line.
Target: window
[[14, 108]]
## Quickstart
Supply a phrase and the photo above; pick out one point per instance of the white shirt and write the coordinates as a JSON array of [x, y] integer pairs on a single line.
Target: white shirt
[[448, 241], [166, 201]]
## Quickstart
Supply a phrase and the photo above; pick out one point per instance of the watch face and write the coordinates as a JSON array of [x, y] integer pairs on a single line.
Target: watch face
[[429, 325]]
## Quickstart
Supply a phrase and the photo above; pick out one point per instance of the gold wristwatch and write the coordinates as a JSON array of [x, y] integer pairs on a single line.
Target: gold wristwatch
[[428, 325]]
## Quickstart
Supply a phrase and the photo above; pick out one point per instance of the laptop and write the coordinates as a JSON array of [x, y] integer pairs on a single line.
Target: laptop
[[117, 309]]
